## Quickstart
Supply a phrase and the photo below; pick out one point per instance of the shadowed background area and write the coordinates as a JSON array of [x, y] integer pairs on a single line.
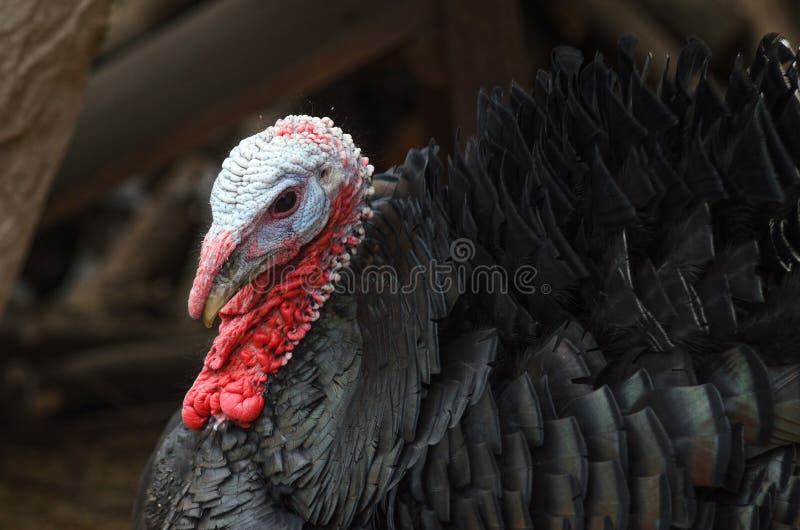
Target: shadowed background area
[[117, 116]]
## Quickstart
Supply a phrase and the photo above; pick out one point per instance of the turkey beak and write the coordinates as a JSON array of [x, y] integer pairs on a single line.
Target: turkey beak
[[217, 298], [226, 284], [235, 274]]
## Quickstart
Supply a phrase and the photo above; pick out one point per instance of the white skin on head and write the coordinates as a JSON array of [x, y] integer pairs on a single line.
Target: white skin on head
[[240, 202], [303, 169]]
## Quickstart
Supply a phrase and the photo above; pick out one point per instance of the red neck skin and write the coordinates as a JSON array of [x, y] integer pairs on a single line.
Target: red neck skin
[[260, 327]]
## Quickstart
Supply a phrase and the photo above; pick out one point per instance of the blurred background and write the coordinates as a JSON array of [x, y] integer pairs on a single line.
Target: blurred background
[[116, 117]]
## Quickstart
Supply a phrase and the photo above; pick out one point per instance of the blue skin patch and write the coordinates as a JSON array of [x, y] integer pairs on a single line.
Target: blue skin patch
[[298, 228]]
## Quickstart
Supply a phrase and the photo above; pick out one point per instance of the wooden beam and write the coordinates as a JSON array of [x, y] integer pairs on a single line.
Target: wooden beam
[[128, 21], [143, 251], [204, 73], [610, 19], [485, 47], [767, 16], [47, 48]]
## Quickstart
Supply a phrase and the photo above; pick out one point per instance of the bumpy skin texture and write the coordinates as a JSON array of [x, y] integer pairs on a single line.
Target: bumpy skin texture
[[651, 380], [256, 172]]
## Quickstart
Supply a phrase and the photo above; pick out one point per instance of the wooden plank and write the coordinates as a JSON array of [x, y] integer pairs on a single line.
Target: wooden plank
[[202, 74], [142, 251], [610, 19], [128, 21], [485, 48], [46, 50], [766, 16]]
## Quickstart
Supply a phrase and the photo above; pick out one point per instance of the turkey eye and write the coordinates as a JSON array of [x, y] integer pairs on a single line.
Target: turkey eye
[[284, 205]]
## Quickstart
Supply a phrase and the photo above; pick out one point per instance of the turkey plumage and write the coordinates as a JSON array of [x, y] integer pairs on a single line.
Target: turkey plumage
[[592, 325]]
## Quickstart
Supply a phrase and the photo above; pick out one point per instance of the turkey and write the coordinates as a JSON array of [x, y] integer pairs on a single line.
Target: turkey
[[592, 325]]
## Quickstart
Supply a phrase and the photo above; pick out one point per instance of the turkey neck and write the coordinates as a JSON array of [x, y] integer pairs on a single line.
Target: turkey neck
[[261, 325], [311, 428]]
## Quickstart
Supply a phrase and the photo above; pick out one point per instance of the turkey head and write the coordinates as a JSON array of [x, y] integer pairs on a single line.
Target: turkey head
[[287, 207]]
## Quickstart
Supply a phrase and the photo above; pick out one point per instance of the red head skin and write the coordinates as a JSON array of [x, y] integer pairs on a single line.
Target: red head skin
[[264, 320]]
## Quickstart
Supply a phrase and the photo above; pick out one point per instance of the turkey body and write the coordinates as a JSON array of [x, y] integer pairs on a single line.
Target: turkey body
[[643, 372]]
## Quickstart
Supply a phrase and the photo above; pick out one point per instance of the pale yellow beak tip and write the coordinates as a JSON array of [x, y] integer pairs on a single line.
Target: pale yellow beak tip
[[214, 302]]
